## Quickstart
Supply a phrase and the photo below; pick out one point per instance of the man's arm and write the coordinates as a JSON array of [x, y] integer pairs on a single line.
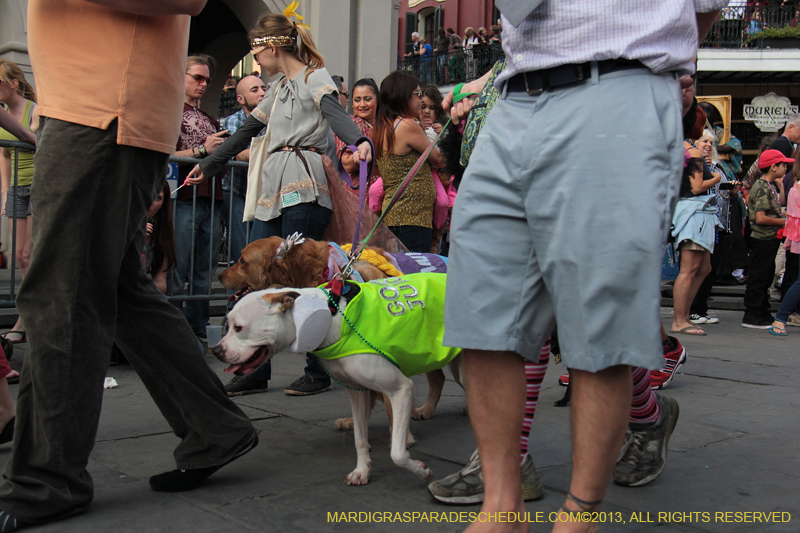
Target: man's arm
[[763, 219], [154, 8], [231, 124], [16, 129]]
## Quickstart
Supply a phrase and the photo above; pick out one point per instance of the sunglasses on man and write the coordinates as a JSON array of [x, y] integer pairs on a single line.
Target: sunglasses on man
[[199, 78]]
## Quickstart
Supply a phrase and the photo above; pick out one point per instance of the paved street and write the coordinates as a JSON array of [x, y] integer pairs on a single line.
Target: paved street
[[735, 449]]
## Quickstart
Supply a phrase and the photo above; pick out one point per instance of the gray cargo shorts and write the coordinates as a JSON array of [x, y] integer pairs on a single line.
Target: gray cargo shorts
[[562, 216]]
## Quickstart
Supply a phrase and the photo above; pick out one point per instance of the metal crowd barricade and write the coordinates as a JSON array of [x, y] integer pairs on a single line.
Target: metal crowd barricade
[[16, 146], [8, 297], [213, 263]]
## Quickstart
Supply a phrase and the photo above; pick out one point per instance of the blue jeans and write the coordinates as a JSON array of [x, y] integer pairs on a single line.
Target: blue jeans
[[310, 219], [204, 232], [237, 230], [415, 238], [790, 301]]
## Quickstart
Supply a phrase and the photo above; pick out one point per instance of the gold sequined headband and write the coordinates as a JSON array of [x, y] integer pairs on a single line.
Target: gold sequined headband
[[271, 39]]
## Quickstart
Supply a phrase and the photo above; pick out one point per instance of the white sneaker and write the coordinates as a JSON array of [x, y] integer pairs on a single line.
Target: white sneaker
[[701, 319], [697, 319]]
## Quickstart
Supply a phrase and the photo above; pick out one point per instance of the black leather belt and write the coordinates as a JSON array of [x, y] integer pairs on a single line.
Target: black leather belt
[[538, 81]]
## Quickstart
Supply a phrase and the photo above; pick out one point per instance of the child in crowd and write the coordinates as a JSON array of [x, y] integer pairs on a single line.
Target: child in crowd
[[765, 216], [431, 112], [449, 177]]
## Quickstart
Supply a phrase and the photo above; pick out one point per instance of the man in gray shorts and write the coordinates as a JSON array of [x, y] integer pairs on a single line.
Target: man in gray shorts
[[561, 216]]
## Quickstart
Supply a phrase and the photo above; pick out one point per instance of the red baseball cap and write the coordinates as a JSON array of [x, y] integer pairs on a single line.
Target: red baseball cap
[[772, 157]]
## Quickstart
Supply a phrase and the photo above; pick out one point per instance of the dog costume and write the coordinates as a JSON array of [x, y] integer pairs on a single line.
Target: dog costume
[[394, 314]]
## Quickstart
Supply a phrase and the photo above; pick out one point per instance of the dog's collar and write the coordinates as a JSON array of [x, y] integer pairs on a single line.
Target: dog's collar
[[338, 290]]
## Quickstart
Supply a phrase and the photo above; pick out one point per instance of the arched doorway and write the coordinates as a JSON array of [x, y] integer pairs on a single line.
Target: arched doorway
[[429, 20], [221, 32]]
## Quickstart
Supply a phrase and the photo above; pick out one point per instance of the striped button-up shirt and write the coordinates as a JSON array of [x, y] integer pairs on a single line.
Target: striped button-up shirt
[[660, 34]]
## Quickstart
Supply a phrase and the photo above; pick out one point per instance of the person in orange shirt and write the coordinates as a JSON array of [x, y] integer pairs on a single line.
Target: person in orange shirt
[[101, 160]]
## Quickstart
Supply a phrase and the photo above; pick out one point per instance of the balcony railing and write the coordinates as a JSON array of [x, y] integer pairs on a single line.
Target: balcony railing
[[453, 67], [732, 30], [737, 23]]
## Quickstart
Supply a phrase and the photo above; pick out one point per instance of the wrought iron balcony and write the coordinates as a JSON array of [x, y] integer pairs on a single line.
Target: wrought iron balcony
[[453, 67], [738, 23], [733, 30]]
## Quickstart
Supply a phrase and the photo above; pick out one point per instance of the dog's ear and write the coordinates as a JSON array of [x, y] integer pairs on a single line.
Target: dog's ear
[[284, 299], [287, 301]]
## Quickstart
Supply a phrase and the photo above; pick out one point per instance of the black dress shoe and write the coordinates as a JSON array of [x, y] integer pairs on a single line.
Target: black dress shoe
[[183, 480]]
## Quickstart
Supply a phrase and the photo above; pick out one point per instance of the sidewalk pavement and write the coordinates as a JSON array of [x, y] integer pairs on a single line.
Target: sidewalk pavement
[[735, 449]]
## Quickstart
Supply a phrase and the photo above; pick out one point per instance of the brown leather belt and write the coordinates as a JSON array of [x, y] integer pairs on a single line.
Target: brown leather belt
[[538, 81], [299, 151]]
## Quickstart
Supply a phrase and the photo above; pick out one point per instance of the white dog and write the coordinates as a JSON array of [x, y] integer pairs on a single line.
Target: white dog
[[393, 329]]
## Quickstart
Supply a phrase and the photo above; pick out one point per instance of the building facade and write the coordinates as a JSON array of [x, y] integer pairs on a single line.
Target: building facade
[[742, 58], [427, 16]]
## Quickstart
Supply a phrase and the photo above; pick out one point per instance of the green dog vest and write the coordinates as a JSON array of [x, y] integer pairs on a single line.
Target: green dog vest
[[403, 317]]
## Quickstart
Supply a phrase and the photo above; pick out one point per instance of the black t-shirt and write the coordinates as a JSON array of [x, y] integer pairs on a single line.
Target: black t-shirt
[[686, 188], [783, 145]]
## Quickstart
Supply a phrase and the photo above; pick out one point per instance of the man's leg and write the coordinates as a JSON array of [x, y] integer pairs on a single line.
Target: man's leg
[[759, 277], [177, 278], [496, 397], [70, 313], [161, 347], [600, 406], [790, 275], [197, 311]]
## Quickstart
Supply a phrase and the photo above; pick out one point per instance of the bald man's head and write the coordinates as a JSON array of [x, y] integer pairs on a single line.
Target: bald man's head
[[249, 93]]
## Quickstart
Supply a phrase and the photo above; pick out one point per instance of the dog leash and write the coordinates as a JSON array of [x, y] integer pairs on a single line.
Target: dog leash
[[355, 251], [360, 336], [364, 172]]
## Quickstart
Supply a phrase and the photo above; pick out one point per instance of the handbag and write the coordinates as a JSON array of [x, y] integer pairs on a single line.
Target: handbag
[[480, 110], [258, 156]]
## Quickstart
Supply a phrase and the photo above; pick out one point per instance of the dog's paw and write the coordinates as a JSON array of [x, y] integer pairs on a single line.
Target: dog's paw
[[425, 473], [410, 440], [358, 477], [421, 414], [345, 424]]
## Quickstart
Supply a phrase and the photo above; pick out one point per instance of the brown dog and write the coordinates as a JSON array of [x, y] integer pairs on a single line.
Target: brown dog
[[304, 266]]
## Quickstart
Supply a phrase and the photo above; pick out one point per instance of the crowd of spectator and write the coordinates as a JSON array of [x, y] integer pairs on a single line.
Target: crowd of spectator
[[743, 240], [451, 58]]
